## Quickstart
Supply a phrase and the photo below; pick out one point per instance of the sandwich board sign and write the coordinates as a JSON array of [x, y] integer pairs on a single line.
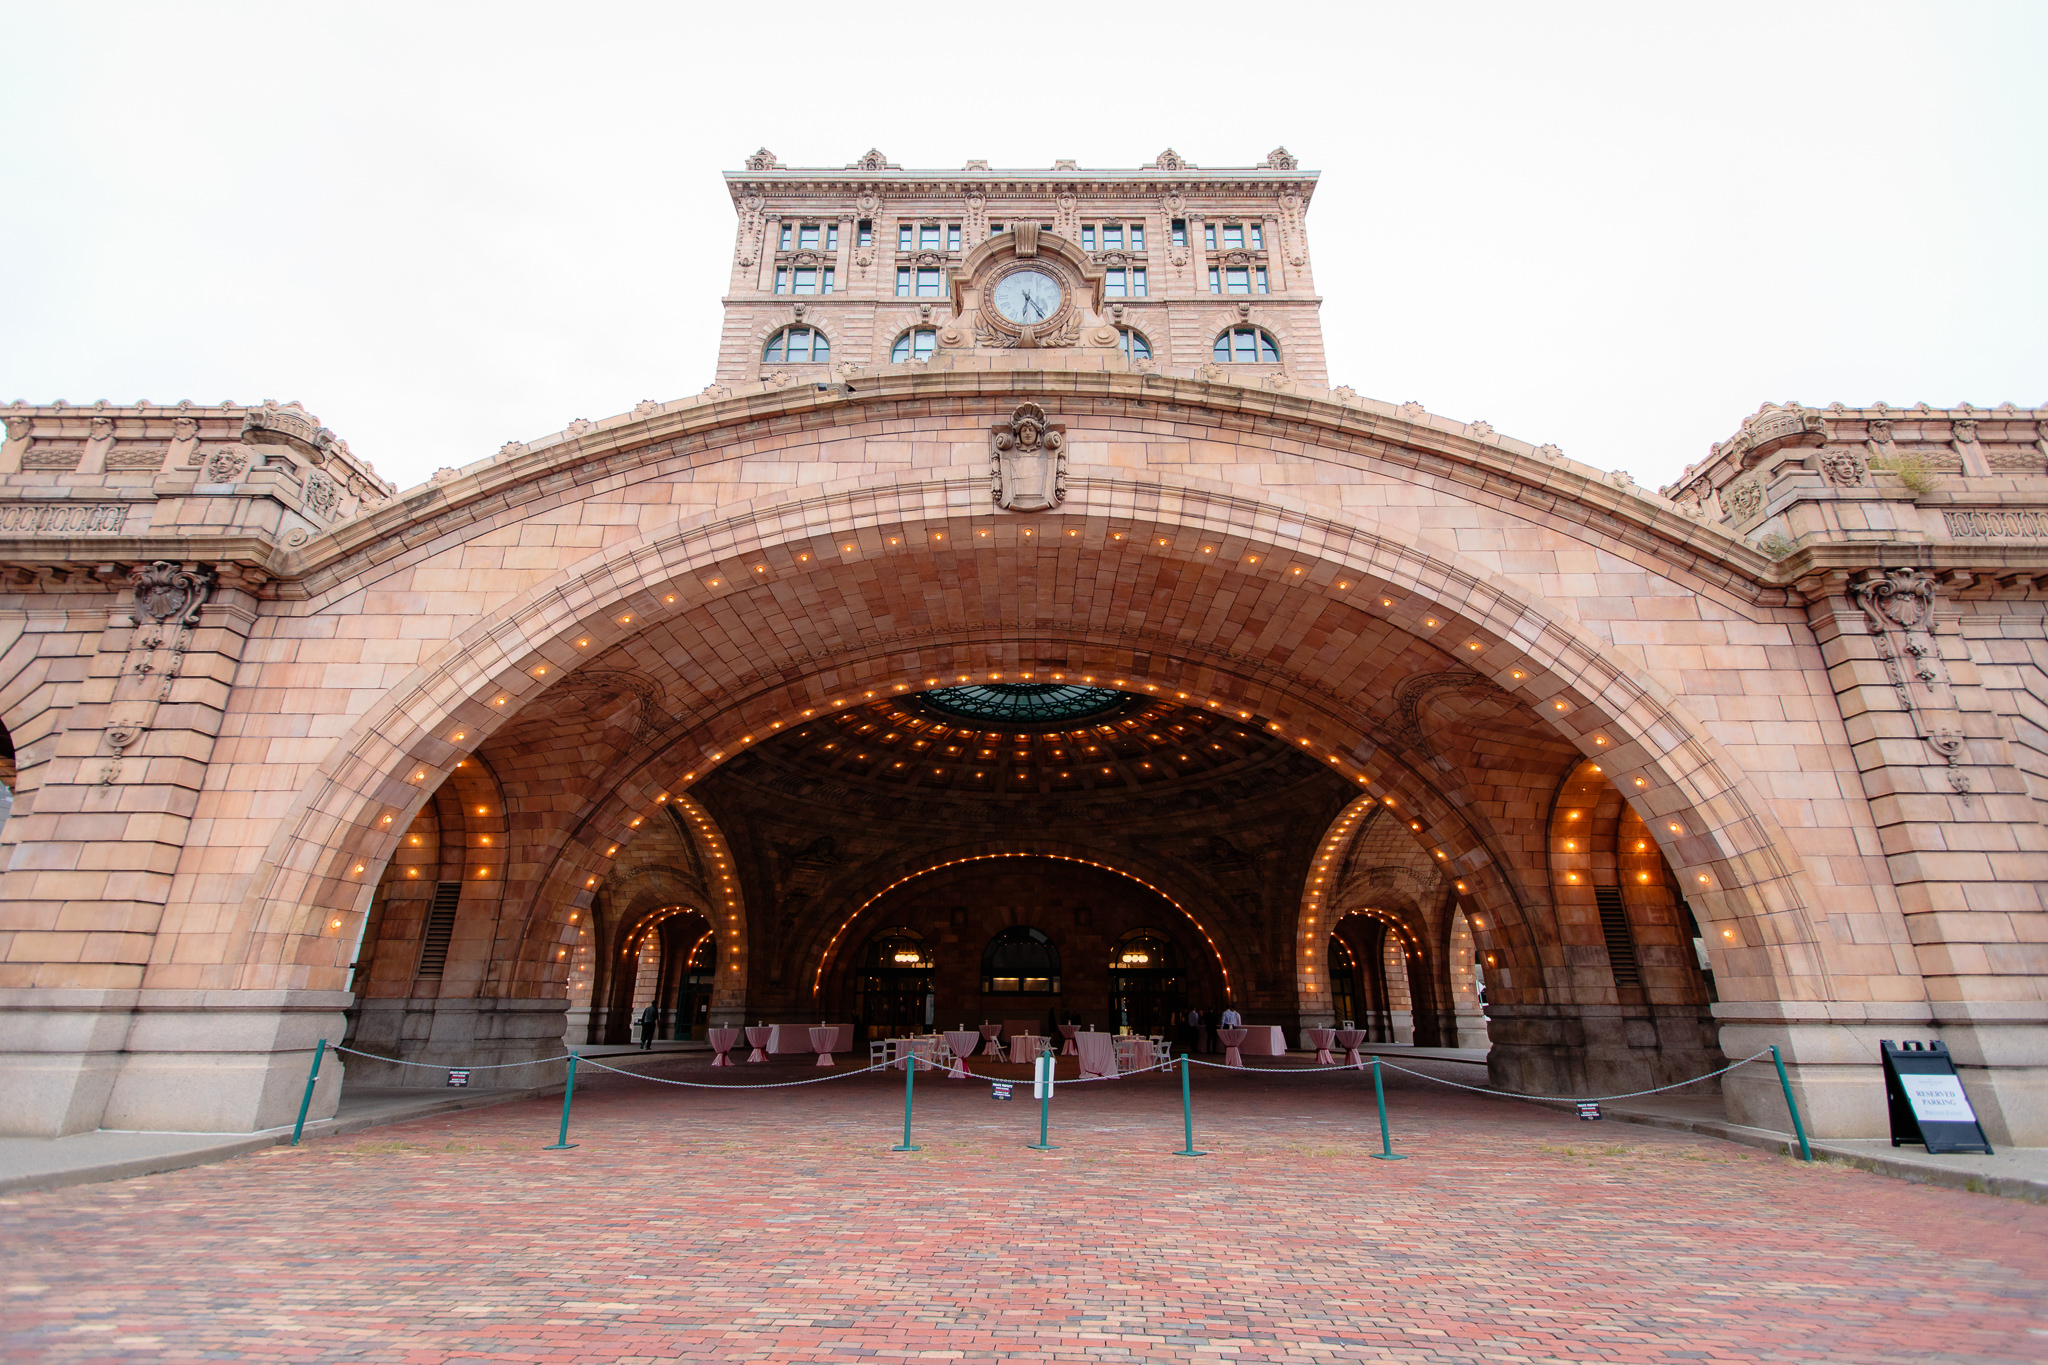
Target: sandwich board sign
[[1927, 1102]]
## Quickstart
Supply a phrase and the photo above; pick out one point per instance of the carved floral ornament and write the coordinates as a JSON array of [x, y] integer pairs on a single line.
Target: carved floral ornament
[[1743, 499], [1027, 462], [167, 592]]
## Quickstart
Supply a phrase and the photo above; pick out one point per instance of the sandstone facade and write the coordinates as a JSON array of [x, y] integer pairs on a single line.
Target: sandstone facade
[[299, 756]]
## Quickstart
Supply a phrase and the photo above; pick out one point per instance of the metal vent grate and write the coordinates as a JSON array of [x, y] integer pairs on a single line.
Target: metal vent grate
[[1621, 949], [440, 928]]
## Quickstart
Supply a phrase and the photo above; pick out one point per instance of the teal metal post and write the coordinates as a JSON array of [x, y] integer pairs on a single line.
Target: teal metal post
[[909, 1080], [1044, 1106], [562, 1143], [307, 1103], [1379, 1093], [1187, 1112], [1798, 1128]]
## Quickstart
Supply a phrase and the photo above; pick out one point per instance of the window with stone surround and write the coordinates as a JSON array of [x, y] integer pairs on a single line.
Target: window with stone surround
[[1113, 236], [920, 283], [1235, 236], [928, 237], [1132, 343], [1247, 346], [1122, 283], [1237, 279], [1020, 961], [1180, 232], [810, 237], [804, 279], [915, 344], [798, 346]]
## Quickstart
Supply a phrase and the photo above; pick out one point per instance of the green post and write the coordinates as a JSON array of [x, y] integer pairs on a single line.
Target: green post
[[562, 1143], [1798, 1128], [1187, 1112], [1044, 1105], [1379, 1093], [909, 1080], [307, 1103]]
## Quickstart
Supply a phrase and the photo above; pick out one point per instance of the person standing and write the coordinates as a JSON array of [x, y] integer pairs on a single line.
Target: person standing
[[1231, 1018], [1191, 1032], [649, 1019]]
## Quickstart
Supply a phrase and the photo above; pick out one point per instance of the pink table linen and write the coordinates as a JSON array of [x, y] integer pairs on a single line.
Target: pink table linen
[[1320, 1039], [822, 1040], [962, 1042], [722, 1040], [992, 1040], [1264, 1040], [1349, 1039], [757, 1039], [1097, 1052], [1232, 1040], [1069, 1050], [1024, 1048]]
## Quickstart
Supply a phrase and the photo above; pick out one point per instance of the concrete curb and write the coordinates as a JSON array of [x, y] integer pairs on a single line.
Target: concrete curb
[[229, 1146], [1919, 1171]]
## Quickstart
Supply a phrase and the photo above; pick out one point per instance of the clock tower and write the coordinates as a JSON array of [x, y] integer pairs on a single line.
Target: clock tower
[[1167, 268]]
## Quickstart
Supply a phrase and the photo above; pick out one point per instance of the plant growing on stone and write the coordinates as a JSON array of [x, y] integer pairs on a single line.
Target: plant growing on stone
[[1912, 470]]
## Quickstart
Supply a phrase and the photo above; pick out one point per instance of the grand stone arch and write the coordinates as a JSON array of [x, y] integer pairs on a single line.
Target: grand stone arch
[[693, 604]]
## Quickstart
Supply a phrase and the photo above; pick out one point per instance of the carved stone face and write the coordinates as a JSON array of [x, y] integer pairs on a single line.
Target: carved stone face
[[1028, 297]]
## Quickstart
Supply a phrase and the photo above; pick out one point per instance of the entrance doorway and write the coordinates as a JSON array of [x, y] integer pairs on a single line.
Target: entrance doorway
[[1146, 993], [693, 990], [895, 984]]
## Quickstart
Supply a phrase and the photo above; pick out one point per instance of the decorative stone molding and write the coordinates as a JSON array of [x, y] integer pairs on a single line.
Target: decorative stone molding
[[224, 464], [1743, 499], [1899, 608], [512, 448], [1978, 523], [753, 219], [763, 160], [63, 519], [1027, 462], [1280, 159], [1170, 160], [579, 426], [1550, 452], [446, 474], [872, 161], [322, 495], [1844, 468], [183, 429], [289, 424], [19, 425], [169, 593]]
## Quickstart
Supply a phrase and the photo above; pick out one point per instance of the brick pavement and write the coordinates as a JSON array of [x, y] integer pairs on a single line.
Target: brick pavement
[[778, 1227]]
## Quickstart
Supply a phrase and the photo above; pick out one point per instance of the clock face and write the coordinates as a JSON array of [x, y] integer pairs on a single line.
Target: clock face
[[1027, 297]]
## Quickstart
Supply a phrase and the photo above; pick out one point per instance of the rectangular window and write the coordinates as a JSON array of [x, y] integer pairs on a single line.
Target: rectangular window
[[1215, 280], [930, 284], [1137, 236], [1258, 238], [825, 284], [952, 236], [785, 237], [1112, 237], [807, 237], [1137, 284], [903, 280], [1087, 236], [782, 281], [1260, 275], [1180, 232], [805, 281], [994, 228], [864, 232], [800, 345], [928, 237], [832, 237], [1233, 236], [1112, 284], [1209, 233], [1237, 280], [906, 238]]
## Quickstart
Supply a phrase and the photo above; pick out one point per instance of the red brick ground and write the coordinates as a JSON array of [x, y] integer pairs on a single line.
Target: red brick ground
[[777, 1226]]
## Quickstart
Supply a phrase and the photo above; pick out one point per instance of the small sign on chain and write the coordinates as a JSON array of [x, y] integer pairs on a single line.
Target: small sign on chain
[[458, 1080]]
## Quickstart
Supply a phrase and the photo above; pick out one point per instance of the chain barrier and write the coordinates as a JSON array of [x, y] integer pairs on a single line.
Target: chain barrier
[[717, 1085], [1481, 1089], [439, 1066]]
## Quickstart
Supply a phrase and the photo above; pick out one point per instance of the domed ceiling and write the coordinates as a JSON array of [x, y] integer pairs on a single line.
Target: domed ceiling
[[999, 741]]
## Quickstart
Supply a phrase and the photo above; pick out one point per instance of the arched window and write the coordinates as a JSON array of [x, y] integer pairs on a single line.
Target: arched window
[[915, 344], [1132, 343], [1246, 346], [1020, 962], [798, 346]]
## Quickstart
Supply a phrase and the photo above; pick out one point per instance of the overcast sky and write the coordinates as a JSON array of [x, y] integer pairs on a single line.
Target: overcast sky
[[443, 226]]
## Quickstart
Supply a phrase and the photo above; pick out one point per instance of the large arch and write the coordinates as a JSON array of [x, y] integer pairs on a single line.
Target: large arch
[[1303, 566]]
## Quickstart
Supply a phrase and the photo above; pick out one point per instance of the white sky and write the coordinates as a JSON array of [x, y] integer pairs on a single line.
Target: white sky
[[443, 226]]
